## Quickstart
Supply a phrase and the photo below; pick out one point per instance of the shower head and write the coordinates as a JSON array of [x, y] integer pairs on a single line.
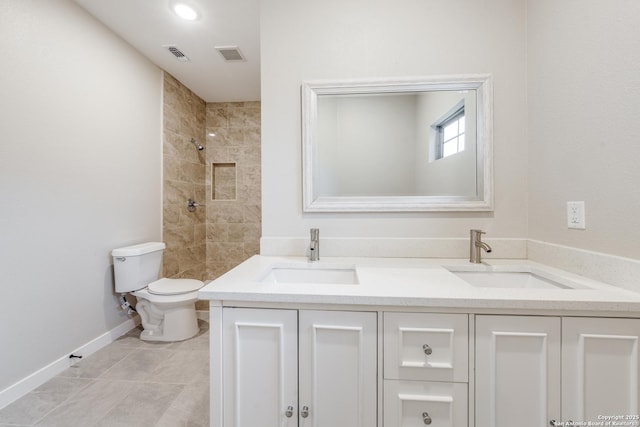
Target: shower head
[[198, 146]]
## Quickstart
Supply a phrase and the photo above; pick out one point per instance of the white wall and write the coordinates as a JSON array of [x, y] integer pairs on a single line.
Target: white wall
[[80, 174], [334, 39], [584, 122]]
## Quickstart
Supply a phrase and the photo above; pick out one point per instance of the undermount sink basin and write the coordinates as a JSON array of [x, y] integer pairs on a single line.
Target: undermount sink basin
[[508, 279], [312, 274]]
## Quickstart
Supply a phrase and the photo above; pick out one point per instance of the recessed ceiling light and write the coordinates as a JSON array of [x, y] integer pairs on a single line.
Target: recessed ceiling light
[[185, 12]]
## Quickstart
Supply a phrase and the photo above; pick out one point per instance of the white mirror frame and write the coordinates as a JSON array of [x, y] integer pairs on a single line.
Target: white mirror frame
[[481, 83]]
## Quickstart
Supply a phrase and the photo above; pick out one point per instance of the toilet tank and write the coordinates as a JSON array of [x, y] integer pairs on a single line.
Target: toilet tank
[[136, 266]]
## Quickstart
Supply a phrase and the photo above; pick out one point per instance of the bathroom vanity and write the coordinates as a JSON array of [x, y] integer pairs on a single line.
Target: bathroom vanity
[[412, 342]]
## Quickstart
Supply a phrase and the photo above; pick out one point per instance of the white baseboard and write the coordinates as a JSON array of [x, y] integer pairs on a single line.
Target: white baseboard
[[36, 379]]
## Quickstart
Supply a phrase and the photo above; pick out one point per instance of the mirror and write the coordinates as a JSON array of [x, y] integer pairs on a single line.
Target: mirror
[[415, 144]]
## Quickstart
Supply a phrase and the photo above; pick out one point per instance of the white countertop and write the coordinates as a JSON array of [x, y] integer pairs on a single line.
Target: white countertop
[[418, 282]]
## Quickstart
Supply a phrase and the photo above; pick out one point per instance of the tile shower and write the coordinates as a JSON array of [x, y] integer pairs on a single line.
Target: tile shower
[[224, 179]]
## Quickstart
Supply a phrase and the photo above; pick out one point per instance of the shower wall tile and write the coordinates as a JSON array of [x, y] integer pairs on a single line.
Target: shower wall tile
[[216, 232], [233, 226], [184, 169], [179, 237], [224, 212], [224, 231]]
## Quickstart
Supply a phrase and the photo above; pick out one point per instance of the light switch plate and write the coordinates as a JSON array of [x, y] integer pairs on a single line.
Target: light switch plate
[[576, 216]]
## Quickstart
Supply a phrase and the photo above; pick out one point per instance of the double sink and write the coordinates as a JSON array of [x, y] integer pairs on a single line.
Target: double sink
[[516, 277]]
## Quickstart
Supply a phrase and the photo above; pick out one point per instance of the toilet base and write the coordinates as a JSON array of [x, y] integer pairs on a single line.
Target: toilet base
[[173, 323]]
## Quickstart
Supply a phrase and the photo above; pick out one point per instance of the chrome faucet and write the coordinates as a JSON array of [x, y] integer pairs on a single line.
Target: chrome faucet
[[314, 247], [476, 246]]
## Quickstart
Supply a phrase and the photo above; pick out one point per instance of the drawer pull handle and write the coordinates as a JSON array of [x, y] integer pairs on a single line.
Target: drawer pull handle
[[427, 350], [305, 412], [426, 418], [289, 412]]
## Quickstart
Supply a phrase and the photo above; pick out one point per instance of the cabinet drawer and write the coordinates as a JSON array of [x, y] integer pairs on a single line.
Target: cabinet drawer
[[420, 346], [420, 403]]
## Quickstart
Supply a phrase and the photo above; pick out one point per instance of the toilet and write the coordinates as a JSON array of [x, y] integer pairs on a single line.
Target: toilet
[[166, 306]]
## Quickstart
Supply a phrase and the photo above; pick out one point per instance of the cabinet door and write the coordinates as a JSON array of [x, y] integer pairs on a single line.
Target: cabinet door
[[517, 371], [600, 366], [260, 360], [420, 403], [338, 369]]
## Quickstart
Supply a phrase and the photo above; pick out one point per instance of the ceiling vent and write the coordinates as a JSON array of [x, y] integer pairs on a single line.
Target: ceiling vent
[[180, 56], [230, 53]]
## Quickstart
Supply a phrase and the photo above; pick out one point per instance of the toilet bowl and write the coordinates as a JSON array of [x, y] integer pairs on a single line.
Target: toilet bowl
[[166, 306]]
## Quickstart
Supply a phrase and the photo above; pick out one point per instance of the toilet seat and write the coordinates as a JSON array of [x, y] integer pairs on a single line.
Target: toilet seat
[[166, 299], [166, 286]]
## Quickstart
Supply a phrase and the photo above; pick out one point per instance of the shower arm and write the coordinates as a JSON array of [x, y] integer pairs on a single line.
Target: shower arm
[[195, 143]]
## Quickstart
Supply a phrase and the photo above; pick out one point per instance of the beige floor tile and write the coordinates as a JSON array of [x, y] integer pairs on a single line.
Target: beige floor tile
[[129, 383], [44, 399], [138, 365], [189, 409], [199, 342], [98, 363], [183, 367], [90, 406], [143, 406]]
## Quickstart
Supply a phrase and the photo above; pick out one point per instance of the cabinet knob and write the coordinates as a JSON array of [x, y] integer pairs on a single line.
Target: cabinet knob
[[427, 350], [305, 412], [289, 412], [426, 418]]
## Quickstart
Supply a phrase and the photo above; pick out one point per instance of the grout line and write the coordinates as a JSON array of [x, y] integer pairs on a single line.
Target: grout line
[[72, 395]]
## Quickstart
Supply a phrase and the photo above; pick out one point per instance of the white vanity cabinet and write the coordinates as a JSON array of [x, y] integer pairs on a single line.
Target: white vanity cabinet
[[531, 370], [425, 369], [312, 368], [298, 368], [517, 380], [600, 368], [260, 367], [338, 368]]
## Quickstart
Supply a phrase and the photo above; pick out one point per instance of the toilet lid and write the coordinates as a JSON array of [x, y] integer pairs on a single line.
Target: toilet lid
[[174, 286]]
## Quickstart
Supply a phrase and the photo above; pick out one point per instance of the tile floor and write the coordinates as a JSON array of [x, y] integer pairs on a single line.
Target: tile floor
[[129, 383]]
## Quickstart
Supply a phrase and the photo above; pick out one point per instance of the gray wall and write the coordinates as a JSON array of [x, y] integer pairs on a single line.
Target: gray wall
[[339, 39], [80, 174], [584, 126]]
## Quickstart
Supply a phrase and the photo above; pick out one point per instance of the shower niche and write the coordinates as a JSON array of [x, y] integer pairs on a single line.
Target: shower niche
[[223, 181]]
